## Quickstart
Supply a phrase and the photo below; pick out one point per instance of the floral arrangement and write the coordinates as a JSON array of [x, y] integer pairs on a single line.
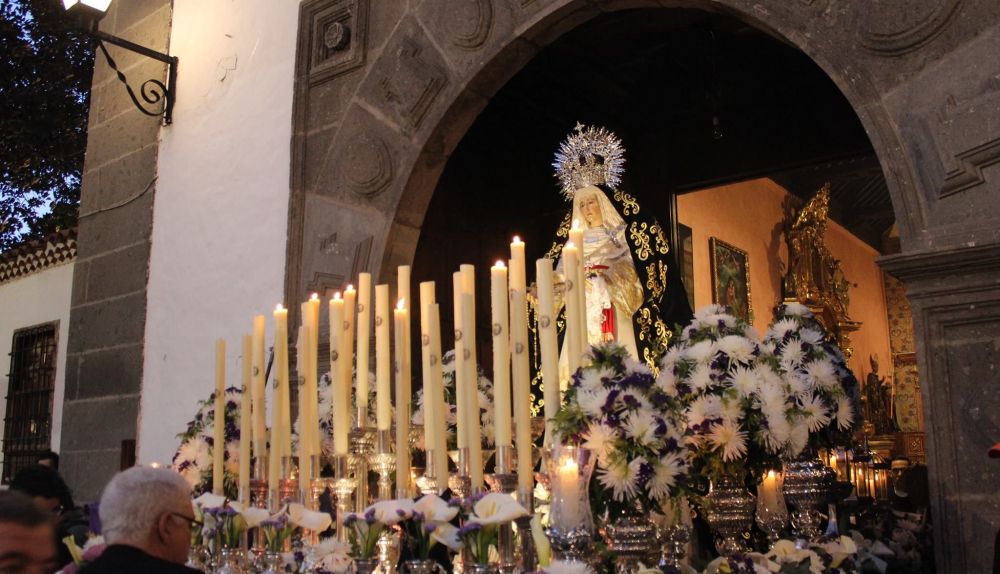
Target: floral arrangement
[[814, 369], [633, 422], [325, 389], [193, 459], [483, 514], [367, 527], [448, 381], [737, 407], [835, 556], [430, 523], [330, 556]]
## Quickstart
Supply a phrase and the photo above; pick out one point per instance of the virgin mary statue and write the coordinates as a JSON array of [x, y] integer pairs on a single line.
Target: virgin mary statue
[[633, 291]]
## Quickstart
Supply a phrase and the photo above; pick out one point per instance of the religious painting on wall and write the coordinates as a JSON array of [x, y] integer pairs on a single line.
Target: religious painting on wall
[[685, 260], [731, 278]]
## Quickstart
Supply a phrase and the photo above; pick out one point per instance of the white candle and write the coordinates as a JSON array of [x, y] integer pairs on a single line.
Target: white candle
[[548, 341], [769, 491], [347, 346], [282, 402], [383, 392], [430, 403], [364, 340], [569, 488], [521, 369], [338, 386], [576, 238], [571, 260], [501, 353], [219, 436], [305, 439], [440, 422], [403, 293], [469, 287], [259, 405], [312, 372], [245, 416], [402, 404], [473, 420], [460, 374]]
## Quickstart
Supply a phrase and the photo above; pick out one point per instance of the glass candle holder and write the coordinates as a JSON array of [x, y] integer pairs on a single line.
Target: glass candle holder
[[571, 523]]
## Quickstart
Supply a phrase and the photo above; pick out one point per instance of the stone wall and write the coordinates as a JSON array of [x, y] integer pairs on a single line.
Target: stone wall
[[107, 318]]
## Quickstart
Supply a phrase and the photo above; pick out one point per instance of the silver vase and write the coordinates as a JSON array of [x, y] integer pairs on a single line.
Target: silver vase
[[423, 567], [271, 563], [631, 538], [365, 566], [728, 509], [806, 489], [673, 546]]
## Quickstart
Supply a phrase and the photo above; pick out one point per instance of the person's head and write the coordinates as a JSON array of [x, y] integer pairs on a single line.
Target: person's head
[[49, 458], [44, 485], [149, 509], [593, 208], [27, 538]]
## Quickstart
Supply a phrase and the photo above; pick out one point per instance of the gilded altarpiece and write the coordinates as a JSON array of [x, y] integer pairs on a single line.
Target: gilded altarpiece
[[908, 405]]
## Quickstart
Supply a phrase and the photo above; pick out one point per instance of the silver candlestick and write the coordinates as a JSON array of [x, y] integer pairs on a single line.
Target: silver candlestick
[[428, 482], [526, 543], [343, 487], [362, 446], [383, 461], [504, 481], [459, 481]]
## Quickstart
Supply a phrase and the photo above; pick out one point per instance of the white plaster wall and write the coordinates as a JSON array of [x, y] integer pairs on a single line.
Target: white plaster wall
[[39, 298], [221, 208]]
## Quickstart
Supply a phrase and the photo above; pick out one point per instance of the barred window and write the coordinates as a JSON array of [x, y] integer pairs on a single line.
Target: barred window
[[31, 380]]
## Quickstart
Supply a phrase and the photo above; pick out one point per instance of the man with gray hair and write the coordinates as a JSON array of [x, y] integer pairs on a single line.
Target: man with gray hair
[[146, 518], [27, 537]]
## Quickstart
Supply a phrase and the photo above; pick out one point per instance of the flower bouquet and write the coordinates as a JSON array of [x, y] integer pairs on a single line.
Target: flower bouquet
[[193, 459], [483, 514], [824, 390], [634, 424], [367, 527], [738, 409], [430, 524], [485, 394]]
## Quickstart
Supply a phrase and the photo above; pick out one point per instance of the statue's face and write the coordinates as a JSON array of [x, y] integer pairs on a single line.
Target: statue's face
[[591, 211]]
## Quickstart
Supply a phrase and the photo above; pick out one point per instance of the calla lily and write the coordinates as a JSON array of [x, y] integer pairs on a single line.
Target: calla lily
[[541, 540], [390, 512], [447, 534], [435, 509], [497, 508], [209, 500], [309, 519], [251, 514]]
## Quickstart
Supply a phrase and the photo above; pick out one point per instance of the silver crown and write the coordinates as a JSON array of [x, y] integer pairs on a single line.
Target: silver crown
[[589, 156]]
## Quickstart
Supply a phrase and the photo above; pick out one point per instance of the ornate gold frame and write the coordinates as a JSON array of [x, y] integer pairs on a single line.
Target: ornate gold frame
[[714, 244]]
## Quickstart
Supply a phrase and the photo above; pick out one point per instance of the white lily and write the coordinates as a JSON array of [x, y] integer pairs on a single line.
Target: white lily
[[391, 512], [209, 500], [309, 519], [447, 534], [496, 508], [435, 509], [251, 514]]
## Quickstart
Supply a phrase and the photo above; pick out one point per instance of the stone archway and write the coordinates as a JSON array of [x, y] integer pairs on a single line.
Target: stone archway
[[384, 93]]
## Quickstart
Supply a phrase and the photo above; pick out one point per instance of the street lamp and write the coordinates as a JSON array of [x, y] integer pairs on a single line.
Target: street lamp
[[89, 14]]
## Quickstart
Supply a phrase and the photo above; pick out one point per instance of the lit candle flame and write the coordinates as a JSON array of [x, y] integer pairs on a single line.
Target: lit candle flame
[[499, 264], [336, 296], [576, 224], [314, 297], [401, 304], [279, 307], [517, 239], [570, 244], [349, 287]]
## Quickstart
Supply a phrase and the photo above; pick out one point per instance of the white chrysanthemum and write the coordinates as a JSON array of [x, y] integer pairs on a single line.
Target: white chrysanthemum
[[782, 328], [738, 348], [593, 379], [665, 475], [727, 437], [772, 396], [798, 440], [702, 408], [822, 374], [700, 377], [332, 555], [667, 381], [750, 333], [732, 409], [673, 355], [811, 336], [765, 374], [599, 438], [708, 311], [815, 415], [767, 349], [845, 413], [197, 452], [744, 381], [797, 309], [641, 426], [621, 478], [701, 352], [792, 353], [638, 367], [591, 402], [778, 431], [233, 460], [796, 384]]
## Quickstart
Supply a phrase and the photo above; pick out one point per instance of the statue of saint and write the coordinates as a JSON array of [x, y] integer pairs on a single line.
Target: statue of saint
[[878, 401], [633, 291]]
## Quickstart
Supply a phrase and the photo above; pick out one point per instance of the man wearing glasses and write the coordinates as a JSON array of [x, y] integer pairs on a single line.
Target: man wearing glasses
[[147, 518]]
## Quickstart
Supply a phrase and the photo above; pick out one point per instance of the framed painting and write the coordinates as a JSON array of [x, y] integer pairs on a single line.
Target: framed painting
[[731, 278]]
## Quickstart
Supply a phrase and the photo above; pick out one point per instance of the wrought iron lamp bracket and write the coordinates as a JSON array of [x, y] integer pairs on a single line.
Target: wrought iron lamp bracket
[[152, 91]]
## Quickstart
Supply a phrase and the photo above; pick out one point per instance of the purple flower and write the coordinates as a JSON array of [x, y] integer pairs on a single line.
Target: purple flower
[[430, 527]]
